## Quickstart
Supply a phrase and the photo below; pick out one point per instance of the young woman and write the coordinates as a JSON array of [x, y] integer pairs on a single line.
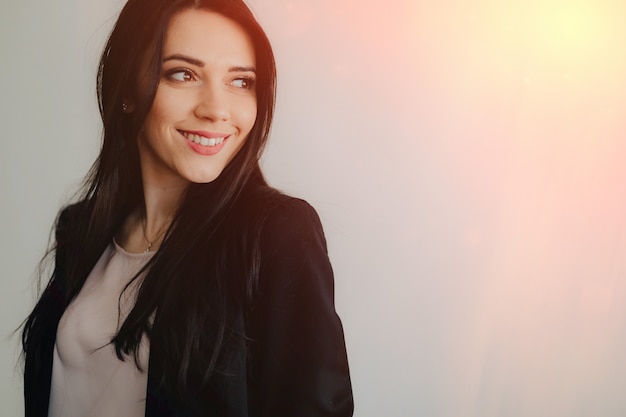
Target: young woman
[[184, 285]]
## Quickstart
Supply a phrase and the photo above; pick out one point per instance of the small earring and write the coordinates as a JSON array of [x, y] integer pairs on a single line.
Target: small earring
[[124, 107]]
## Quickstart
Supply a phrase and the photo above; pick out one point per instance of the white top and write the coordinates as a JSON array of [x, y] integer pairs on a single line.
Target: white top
[[88, 380]]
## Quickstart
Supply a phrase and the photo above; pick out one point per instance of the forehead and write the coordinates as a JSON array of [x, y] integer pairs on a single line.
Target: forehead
[[209, 37]]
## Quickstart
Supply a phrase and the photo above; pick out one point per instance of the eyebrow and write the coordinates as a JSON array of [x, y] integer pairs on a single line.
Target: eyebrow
[[198, 63]]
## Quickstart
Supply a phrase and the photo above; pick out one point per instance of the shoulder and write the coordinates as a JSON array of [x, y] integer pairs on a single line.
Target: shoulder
[[294, 261], [292, 213], [69, 217], [292, 224], [277, 219], [71, 239]]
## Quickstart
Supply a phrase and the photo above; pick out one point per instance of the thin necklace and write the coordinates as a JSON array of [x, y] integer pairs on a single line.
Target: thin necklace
[[157, 237]]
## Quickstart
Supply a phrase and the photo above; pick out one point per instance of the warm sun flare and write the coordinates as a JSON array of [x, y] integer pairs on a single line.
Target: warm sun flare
[[579, 29]]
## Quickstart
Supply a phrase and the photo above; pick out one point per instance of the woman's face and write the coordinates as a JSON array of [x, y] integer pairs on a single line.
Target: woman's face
[[205, 103]]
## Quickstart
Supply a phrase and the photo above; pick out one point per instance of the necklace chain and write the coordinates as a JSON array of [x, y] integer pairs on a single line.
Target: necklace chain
[[160, 233]]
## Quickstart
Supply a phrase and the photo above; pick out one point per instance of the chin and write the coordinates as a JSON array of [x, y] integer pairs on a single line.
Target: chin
[[204, 178]]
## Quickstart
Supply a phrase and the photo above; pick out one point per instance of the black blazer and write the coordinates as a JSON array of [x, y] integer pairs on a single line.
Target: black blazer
[[295, 364]]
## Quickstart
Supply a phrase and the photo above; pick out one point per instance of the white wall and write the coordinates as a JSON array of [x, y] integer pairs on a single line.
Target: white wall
[[466, 158]]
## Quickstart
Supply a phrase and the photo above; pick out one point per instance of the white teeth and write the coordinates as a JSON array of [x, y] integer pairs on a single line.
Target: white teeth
[[201, 140]]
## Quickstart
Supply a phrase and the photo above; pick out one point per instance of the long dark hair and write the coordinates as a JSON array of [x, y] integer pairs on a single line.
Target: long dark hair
[[207, 265]]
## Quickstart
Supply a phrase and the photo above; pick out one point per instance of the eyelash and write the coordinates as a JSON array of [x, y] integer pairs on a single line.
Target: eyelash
[[185, 71], [248, 82]]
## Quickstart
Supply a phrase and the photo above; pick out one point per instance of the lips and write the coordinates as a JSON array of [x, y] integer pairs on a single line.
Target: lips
[[204, 138]]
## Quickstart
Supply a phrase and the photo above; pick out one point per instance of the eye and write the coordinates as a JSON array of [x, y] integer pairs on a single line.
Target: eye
[[181, 75], [246, 83]]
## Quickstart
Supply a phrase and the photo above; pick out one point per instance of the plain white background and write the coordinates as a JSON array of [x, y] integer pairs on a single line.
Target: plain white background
[[466, 159]]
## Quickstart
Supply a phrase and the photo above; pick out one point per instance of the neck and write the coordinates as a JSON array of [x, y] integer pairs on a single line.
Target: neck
[[145, 227], [160, 205]]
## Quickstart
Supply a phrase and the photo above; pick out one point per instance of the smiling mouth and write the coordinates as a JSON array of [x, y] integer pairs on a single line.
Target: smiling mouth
[[201, 140]]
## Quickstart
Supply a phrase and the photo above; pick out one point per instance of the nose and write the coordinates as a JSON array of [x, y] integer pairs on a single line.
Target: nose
[[212, 103]]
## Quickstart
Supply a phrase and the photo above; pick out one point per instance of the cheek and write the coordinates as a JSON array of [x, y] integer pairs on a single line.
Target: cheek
[[248, 116], [156, 127], [162, 107]]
